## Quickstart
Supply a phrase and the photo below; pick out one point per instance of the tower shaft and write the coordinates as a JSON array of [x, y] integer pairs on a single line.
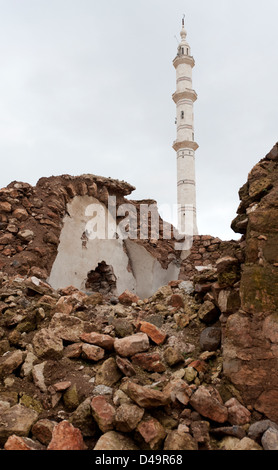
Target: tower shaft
[[185, 145]]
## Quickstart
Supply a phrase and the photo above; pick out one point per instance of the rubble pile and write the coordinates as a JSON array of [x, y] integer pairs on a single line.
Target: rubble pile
[[85, 372]]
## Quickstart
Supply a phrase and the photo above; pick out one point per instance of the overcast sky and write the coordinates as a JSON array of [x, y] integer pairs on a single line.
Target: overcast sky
[[86, 87]]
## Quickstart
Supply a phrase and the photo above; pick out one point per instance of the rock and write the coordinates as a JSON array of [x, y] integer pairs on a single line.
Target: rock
[[178, 390], [67, 327], [27, 366], [4, 405], [210, 339], [17, 420], [102, 390], [128, 417], [207, 402], [177, 440], [38, 377], [6, 239], [103, 412], [228, 269], [270, 439], [237, 413], [62, 386], [26, 235], [190, 374], [73, 351], [120, 398], [47, 344], [66, 437], [94, 299], [247, 444], [122, 327], [104, 341], [267, 402], [37, 285], [70, 398], [82, 419], [125, 366], [22, 443], [131, 345], [208, 313], [5, 207], [152, 432], [228, 443], [31, 402], [153, 332], [172, 356], [149, 361], [200, 431], [187, 287], [20, 214], [146, 397], [92, 353], [42, 430], [127, 298], [10, 361], [233, 431], [256, 430], [115, 441], [229, 301], [176, 301], [109, 373]]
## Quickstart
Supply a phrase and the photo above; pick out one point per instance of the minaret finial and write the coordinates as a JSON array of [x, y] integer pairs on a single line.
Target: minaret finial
[[183, 21]]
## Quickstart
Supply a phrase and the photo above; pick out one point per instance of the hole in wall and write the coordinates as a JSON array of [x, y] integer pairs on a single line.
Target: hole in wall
[[102, 279]]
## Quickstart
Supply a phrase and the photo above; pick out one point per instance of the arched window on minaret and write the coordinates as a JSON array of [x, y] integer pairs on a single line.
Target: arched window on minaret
[[182, 115]]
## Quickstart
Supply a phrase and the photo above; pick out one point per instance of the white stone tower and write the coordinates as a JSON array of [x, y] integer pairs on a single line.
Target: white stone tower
[[185, 145]]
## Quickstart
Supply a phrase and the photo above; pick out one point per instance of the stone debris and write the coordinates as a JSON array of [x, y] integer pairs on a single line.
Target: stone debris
[[192, 367], [155, 389]]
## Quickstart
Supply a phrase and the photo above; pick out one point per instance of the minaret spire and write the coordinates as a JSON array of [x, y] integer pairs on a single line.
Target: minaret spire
[[185, 144]]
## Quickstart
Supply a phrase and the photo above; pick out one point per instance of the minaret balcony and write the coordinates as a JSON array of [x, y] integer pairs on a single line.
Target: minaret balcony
[[188, 93], [185, 144], [183, 59]]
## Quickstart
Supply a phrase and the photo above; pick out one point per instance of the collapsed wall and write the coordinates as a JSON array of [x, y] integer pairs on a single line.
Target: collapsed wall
[[45, 232], [250, 345]]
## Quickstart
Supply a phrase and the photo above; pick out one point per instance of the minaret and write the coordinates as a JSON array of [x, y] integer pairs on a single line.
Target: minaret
[[185, 145]]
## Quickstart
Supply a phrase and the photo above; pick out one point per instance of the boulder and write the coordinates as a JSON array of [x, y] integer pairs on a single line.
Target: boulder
[[109, 373], [104, 341], [10, 361], [177, 440], [270, 439], [127, 417], [17, 420], [22, 443], [115, 441], [131, 345], [210, 339], [152, 432], [103, 413], [237, 414], [207, 402], [47, 344], [66, 437], [145, 396], [153, 332]]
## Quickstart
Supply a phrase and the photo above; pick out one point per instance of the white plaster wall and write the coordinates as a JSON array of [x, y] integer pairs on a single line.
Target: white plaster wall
[[150, 276], [74, 261]]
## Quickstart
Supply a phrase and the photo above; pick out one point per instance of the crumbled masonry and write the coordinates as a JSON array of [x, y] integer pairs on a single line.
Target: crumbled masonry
[[193, 366]]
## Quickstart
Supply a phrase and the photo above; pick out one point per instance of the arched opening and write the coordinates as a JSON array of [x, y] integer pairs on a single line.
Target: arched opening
[[102, 279]]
